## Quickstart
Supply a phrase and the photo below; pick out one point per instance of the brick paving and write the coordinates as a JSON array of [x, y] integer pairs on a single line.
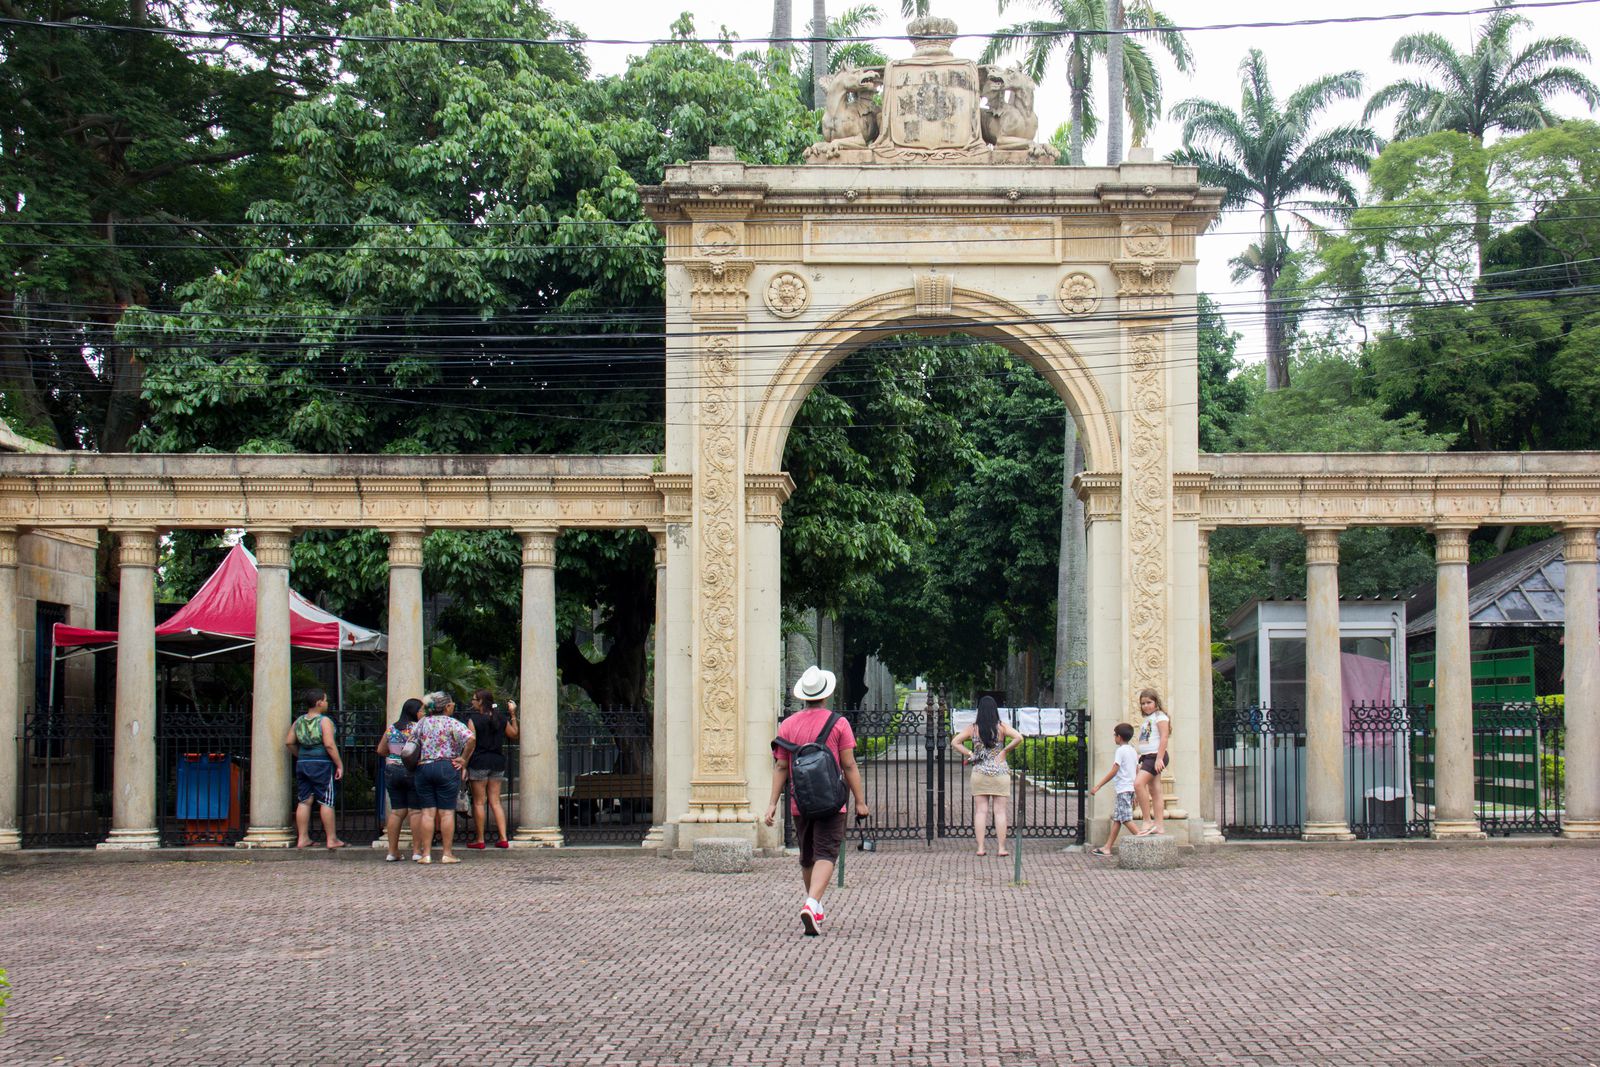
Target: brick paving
[[1371, 955]]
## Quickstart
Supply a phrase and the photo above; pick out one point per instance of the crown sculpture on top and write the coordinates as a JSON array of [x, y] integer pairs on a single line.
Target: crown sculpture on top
[[935, 108]]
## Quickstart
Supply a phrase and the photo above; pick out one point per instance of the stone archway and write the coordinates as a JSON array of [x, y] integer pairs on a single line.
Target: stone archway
[[970, 312], [956, 221]]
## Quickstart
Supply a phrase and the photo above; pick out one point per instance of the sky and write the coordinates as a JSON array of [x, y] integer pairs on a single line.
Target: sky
[[1295, 55]]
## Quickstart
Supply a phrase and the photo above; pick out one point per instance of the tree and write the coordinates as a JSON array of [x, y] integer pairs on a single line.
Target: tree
[[443, 230], [1078, 26], [124, 158], [1267, 154], [1494, 86]]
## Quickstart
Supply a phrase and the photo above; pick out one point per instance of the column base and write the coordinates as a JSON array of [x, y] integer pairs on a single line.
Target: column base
[[656, 839], [538, 837], [10, 840], [1211, 835], [1582, 830], [123, 840], [1326, 831], [1458, 830], [267, 837], [690, 832]]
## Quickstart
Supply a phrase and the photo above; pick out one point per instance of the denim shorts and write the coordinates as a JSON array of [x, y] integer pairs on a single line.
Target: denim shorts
[[437, 784], [401, 785], [313, 780], [484, 774]]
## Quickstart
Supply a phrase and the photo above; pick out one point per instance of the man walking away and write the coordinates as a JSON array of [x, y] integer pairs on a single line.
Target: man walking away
[[801, 741], [316, 767]]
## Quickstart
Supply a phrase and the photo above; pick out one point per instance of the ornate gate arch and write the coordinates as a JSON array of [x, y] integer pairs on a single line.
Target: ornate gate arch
[[932, 218]]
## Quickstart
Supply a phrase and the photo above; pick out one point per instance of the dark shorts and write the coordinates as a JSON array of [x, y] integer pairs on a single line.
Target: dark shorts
[[437, 784], [313, 780], [1147, 763], [401, 786], [819, 839]]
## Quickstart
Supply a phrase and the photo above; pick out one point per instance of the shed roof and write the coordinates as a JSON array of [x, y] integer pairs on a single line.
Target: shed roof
[[1524, 588]]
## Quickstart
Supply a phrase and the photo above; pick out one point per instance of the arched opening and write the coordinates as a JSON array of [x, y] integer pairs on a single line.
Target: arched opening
[[923, 540]]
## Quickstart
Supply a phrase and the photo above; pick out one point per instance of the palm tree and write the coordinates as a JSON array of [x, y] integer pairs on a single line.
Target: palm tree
[[1079, 26], [782, 26], [1494, 86], [1116, 57], [1267, 154]]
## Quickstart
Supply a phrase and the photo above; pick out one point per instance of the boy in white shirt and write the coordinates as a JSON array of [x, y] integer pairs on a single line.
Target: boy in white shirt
[[1124, 764]]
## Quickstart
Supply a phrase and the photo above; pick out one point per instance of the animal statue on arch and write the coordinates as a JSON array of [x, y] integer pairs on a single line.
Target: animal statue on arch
[[1008, 119], [850, 116]]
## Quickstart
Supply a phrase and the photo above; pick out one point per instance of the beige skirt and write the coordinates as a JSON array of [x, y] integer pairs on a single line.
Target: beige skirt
[[991, 785]]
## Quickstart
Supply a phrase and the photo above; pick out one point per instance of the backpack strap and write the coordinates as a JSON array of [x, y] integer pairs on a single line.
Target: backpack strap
[[827, 729]]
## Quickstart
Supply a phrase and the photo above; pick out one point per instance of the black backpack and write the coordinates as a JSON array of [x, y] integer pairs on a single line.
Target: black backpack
[[814, 778]]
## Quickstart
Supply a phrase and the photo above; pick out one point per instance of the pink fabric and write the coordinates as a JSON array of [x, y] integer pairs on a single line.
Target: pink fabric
[[1363, 680], [226, 606], [802, 728]]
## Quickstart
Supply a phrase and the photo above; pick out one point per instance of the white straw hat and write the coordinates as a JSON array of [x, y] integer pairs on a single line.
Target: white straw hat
[[815, 684]]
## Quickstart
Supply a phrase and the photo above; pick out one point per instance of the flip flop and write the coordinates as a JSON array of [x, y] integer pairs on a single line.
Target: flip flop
[[1002, 854], [338, 844], [1099, 852], [451, 859], [423, 860]]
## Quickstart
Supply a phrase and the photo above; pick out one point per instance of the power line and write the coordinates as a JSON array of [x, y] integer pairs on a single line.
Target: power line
[[327, 38]]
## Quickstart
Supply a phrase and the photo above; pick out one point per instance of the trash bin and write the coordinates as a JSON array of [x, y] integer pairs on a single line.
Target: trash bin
[[1386, 812], [210, 786]]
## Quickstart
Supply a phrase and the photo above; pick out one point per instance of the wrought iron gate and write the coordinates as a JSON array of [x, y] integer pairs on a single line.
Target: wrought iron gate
[[917, 785]]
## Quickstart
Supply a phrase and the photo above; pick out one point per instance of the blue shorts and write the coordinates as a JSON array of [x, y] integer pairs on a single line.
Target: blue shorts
[[437, 784], [401, 786], [313, 780]]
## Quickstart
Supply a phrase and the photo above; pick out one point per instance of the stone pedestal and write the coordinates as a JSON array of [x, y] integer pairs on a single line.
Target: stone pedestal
[[723, 855], [1157, 852]]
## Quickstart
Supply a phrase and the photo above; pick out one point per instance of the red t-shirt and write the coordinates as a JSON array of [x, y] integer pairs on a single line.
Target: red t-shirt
[[802, 728]]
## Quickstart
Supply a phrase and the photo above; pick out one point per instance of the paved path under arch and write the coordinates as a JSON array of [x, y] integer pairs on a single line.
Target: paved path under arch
[[1394, 955]]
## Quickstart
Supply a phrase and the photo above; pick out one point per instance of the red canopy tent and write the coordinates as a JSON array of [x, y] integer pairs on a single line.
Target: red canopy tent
[[221, 618]]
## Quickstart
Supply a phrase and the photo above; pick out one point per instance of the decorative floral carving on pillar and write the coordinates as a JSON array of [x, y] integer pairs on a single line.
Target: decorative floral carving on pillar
[[1150, 485], [718, 566]]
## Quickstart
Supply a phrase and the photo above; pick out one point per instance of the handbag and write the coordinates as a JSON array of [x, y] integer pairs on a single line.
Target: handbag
[[411, 752]]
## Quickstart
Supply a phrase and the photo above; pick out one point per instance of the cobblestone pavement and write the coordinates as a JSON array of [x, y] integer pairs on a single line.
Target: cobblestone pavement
[[1484, 955]]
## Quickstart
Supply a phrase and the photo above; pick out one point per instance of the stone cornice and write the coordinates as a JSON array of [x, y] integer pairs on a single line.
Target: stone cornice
[[1401, 489], [297, 492]]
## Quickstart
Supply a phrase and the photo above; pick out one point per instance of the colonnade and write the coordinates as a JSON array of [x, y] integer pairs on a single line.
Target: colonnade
[[1454, 813], [133, 798]]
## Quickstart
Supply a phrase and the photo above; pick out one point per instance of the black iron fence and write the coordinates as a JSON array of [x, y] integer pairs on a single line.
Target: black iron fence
[[64, 778], [1261, 773], [606, 775], [919, 789], [202, 774], [1519, 767], [1389, 770]]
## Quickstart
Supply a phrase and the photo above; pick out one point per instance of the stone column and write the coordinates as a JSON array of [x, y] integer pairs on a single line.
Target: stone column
[[405, 619], [1325, 818], [657, 837], [1454, 814], [1582, 819], [762, 640], [272, 703], [1210, 833], [1107, 682], [538, 822], [10, 693], [133, 774]]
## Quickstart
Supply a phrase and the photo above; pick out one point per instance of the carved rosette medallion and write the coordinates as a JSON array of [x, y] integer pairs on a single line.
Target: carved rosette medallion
[[1078, 295], [787, 294], [1150, 484], [717, 569]]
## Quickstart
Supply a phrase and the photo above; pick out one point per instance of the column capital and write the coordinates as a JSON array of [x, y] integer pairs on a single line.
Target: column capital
[[273, 547], [538, 547], [1203, 544], [8, 546], [1451, 544], [1322, 545], [1578, 544], [661, 548], [405, 547], [138, 548]]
